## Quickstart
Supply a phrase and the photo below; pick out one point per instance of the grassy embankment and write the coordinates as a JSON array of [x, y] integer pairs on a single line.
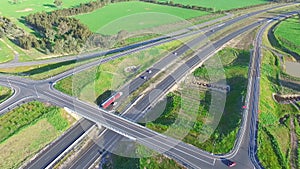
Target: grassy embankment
[[6, 53], [273, 138], [155, 162], [113, 74], [222, 140], [287, 32], [274, 144], [27, 129]]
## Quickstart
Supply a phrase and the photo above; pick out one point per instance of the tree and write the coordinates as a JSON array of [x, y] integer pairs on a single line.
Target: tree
[[58, 3], [63, 28], [1, 33]]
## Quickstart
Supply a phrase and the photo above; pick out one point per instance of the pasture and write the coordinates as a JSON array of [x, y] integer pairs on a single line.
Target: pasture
[[287, 32], [220, 4], [132, 16], [26, 7]]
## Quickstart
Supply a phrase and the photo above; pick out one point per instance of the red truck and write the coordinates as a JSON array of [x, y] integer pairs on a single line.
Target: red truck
[[109, 101]]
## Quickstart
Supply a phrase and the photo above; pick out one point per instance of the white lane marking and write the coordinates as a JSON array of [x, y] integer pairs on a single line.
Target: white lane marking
[[131, 129]]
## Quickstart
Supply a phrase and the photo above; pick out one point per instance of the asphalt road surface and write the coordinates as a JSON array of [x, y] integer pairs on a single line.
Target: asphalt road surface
[[122, 126], [241, 156]]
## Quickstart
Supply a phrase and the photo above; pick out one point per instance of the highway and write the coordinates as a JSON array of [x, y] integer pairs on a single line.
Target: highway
[[186, 32], [191, 156], [188, 154], [246, 147], [93, 148], [241, 155], [55, 149], [141, 45]]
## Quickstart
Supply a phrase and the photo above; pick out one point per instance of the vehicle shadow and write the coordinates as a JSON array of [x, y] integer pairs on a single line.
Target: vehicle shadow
[[104, 96], [225, 161]]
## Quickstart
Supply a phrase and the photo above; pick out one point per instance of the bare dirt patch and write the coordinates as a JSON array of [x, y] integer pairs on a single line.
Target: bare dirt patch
[[25, 10]]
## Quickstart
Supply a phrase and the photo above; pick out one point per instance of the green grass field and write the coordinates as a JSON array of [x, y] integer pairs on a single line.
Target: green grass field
[[27, 129], [6, 54], [26, 7], [220, 4], [134, 16], [222, 140], [287, 33]]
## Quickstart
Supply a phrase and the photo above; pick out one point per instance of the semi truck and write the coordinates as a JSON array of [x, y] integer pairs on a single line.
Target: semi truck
[[110, 100]]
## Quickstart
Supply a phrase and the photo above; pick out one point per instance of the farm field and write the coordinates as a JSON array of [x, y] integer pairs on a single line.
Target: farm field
[[286, 32], [222, 140], [220, 4], [27, 129], [26, 7], [137, 20]]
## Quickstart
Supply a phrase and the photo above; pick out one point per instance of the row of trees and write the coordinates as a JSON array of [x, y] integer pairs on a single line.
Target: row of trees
[[206, 9], [171, 3], [16, 34], [83, 7]]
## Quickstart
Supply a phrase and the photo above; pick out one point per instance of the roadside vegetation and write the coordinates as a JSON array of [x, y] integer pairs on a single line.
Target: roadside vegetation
[[90, 84], [155, 162], [222, 140], [6, 53], [27, 129], [278, 123], [5, 93], [149, 159], [274, 131]]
